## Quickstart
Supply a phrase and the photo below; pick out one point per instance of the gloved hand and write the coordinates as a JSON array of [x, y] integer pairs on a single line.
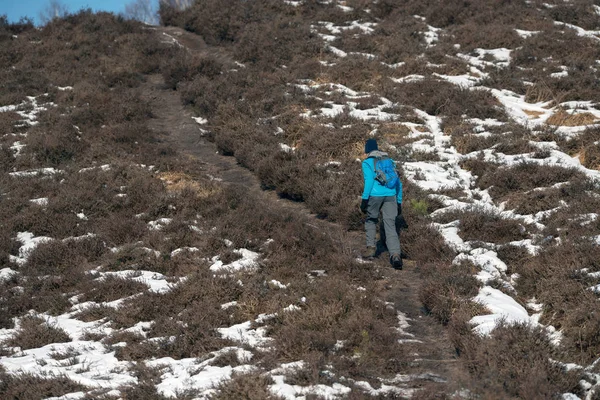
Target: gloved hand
[[399, 208], [363, 205], [401, 223]]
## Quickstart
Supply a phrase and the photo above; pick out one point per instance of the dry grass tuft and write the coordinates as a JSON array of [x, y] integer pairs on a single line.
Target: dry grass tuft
[[564, 118], [533, 114], [180, 181], [590, 156]]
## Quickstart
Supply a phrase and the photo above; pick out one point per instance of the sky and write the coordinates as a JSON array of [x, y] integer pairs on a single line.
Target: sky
[[15, 9]]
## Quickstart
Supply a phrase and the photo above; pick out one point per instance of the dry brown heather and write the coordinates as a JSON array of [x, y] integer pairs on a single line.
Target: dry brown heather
[[30, 387], [104, 120]]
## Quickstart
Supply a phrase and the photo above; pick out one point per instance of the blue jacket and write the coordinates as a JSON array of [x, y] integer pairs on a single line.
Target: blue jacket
[[372, 187]]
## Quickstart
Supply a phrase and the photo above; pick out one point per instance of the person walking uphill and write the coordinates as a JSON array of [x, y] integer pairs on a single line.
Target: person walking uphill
[[381, 195]]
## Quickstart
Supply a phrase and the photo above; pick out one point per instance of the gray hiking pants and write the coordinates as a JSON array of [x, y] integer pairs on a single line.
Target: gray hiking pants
[[389, 210]]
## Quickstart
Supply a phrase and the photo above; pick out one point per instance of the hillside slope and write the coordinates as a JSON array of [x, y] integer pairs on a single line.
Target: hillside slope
[[137, 262]]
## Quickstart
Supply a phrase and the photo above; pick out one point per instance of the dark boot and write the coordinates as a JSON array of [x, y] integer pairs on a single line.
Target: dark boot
[[396, 261]]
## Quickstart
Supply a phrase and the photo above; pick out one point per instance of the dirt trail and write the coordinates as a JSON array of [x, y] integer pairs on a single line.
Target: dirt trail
[[434, 355]]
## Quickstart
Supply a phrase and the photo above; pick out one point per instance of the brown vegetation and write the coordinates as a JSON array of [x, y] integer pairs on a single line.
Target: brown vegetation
[[252, 109], [31, 387], [35, 332]]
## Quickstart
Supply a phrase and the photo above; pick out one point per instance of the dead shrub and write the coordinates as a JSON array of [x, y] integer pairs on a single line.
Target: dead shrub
[[539, 92], [456, 13], [197, 301], [516, 362], [577, 85], [493, 35], [15, 28], [557, 279], [524, 176], [576, 146], [44, 294], [169, 15], [513, 256], [110, 288], [580, 326], [468, 143], [6, 248], [24, 386], [438, 97], [186, 67], [465, 141], [59, 143], [399, 38], [35, 332], [358, 73], [251, 386], [44, 222], [119, 76], [56, 257], [228, 358], [7, 159], [280, 40], [96, 106], [579, 13], [22, 82], [481, 225], [129, 133], [448, 289], [534, 201], [94, 313], [333, 313], [136, 350], [216, 22], [144, 390], [130, 256], [590, 136], [122, 229], [422, 242], [8, 120], [478, 166]]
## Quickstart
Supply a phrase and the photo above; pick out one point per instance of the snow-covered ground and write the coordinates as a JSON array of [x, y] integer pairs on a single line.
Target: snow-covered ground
[[94, 364]]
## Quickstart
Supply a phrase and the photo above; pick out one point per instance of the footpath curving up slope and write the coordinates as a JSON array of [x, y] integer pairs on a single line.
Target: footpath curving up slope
[[432, 356]]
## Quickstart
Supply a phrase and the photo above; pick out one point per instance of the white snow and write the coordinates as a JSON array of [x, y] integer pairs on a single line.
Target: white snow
[[94, 366], [580, 31], [525, 34], [248, 261], [28, 244], [502, 308], [42, 201], [245, 335], [159, 223], [155, 281], [7, 274], [296, 392], [35, 172], [491, 266], [188, 373]]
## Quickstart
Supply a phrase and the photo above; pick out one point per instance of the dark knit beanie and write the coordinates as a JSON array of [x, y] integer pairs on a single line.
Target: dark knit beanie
[[370, 145]]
